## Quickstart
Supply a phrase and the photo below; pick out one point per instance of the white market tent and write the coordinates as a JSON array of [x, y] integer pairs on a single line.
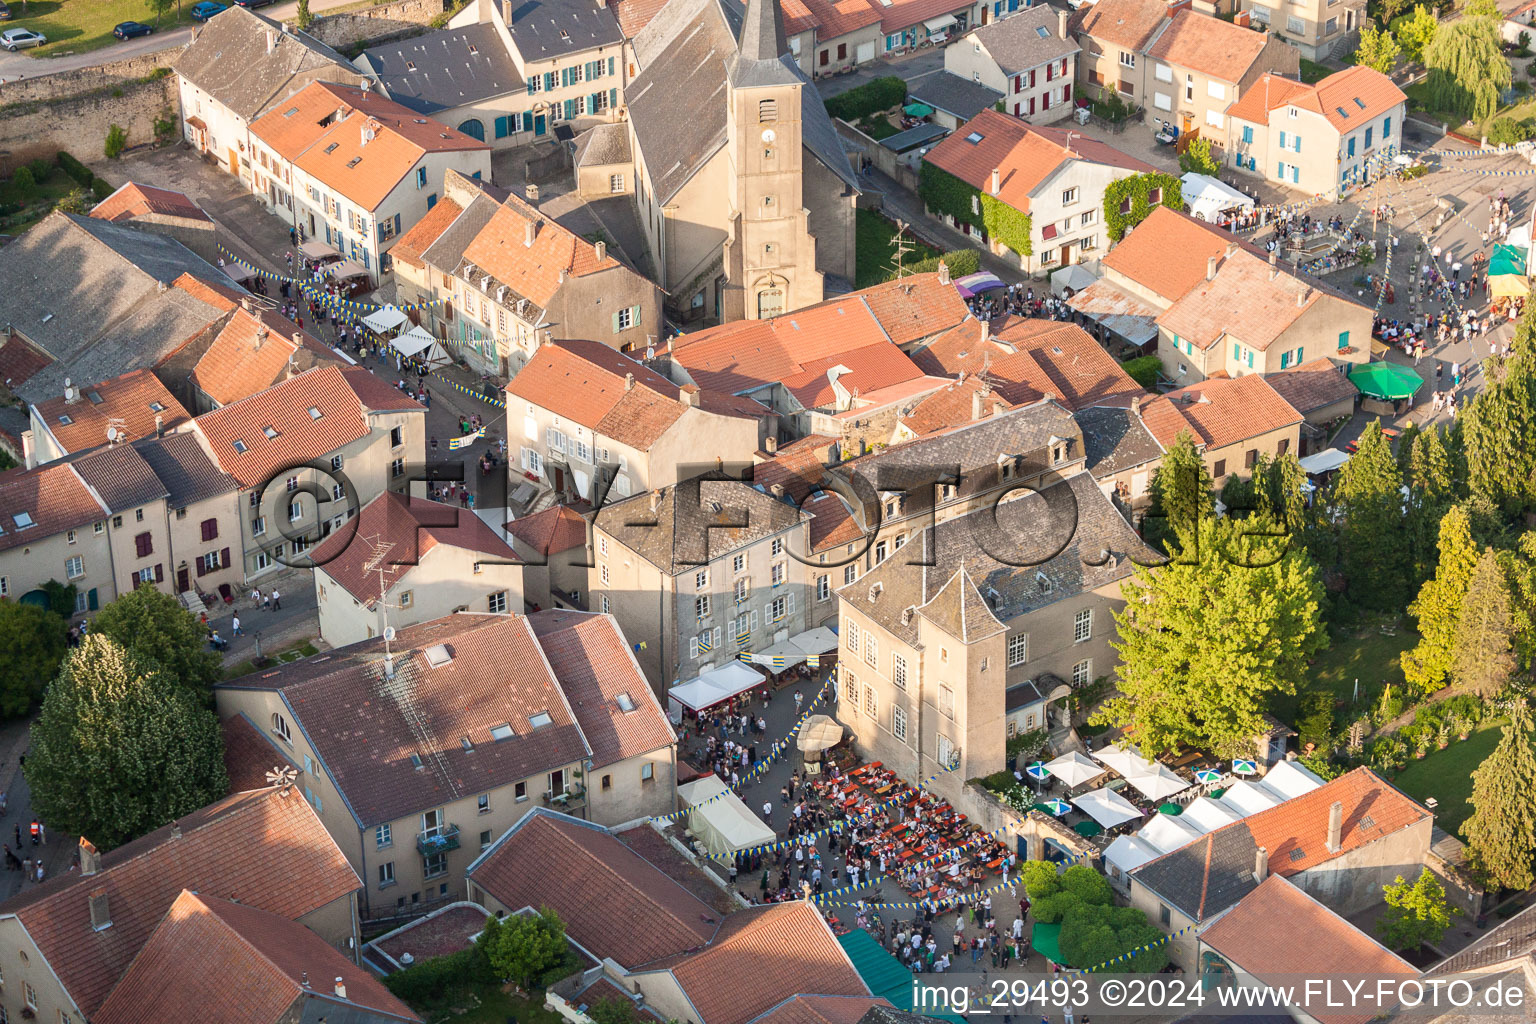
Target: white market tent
[[1291, 779], [1325, 461], [1124, 761], [1168, 833], [713, 687], [1106, 807], [1127, 853], [1209, 815], [417, 342], [1250, 798], [797, 648], [819, 732], [719, 820], [1076, 277], [384, 319], [1158, 782], [1207, 197], [1074, 769]]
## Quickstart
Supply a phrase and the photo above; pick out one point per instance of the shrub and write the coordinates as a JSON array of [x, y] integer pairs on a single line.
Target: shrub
[[871, 97], [100, 189], [165, 129], [1530, 69], [1314, 718], [40, 170], [75, 169], [960, 262], [117, 141], [23, 183], [1143, 370], [77, 201], [442, 980]]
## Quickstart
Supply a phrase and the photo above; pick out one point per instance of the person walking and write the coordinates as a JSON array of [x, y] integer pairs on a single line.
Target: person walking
[[277, 600], [234, 627]]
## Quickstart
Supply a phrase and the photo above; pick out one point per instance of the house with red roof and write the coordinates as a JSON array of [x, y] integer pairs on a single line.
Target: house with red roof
[[552, 545], [163, 211], [1319, 139], [1232, 420], [1054, 178]]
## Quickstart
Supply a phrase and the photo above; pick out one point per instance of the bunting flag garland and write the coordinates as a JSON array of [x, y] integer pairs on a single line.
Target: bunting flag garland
[[319, 295], [1131, 954], [952, 853], [455, 443], [957, 900]]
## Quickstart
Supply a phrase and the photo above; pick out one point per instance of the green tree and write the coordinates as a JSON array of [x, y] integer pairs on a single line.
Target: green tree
[[1182, 681], [303, 18], [1467, 69], [120, 749], [1197, 158], [32, 645], [160, 7], [23, 183], [1416, 32], [526, 946], [1438, 606], [613, 1011], [1368, 492], [154, 627], [1520, 569], [1095, 934], [117, 141], [1181, 493], [1377, 50], [1314, 718], [77, 200], [1501, 464], [1483, 658], [61, 598], [1430, 474], [1501, 833], [1416, 913]]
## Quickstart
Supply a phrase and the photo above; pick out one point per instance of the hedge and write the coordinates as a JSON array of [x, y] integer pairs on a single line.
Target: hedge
[[1136, 188], [960, 263], [1007, 225], [75, 169], [1143, 370], [944, 193], [100, 189], [869, 98], [435, 981]]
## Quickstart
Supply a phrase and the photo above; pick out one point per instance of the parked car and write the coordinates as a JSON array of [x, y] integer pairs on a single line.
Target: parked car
[[206, 10], [5, 11], [132, 30], [14, 39], [249, 4]]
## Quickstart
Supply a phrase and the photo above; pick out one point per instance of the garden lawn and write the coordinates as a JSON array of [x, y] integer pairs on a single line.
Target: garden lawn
[[878, 127], [49, 191], [74, 26], [1446, 774], [1313, 72], [1364, 654], [497, 1007], [876, 258]]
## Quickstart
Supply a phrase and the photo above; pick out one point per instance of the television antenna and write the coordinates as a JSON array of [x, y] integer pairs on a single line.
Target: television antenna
[[280, 777], [900, 246]]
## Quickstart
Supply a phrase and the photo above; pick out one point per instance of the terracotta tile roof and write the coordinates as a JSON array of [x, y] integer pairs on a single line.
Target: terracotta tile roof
[[634, 15], [614, 903], [239, 965], [339, 155], [226, 850], [375, 394], [135, 200], [1295, 832], [1264, 95], [412, 527], [1222, 411], [598, 673], [1168, 253], [833, 18], [300, 436], [1029, 358], [1277, 931], [952, 405], [1024, 154], [223, 295], [586, 381], [1217, 48], [532, 271], [799, 469], [906, 13], [423, 233], [869, 369], [253, 352], [1248, 300], [833, 523], [1352, 97], [19, 361], [760, 955], [821, 1010], [129, 403], [914, 307], [1128, 24], [1313, 385], [366, 740], [556, 529], [249, 754], [51, 498]]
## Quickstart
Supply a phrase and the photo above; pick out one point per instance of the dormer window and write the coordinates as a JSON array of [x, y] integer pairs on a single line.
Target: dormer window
[[1058, 451]]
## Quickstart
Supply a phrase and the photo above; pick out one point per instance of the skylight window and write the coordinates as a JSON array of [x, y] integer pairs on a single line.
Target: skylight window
[[156, 407], [501, 732], [332, 147], [315, 413], [1342, 111], [625, 703], [269, 431], [95, 397], [22, 520], [65, 420], [540, 720], [416, 760], [1359, 103], [410, 65], [290, 111], [354, 161], [1042, 32], [240, 446], [974, 138], [438, 655], [467, 744]]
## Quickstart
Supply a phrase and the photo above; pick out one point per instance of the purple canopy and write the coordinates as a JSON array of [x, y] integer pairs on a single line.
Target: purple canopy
[[975, 284]]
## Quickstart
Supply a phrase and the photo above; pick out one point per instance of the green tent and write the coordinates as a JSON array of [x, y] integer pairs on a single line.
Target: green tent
[[1389, 381], [917, 109], [1506, 260], [1045, 939], [885, 975]]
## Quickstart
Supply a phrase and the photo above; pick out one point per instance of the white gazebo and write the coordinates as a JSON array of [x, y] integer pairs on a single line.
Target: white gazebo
[[1106, 807], [1157, 782], [1209, 815], [417, 342], [713, 687], [1168, 833], [384, 319], [1127, 853], [719, 820], [1208, 198]]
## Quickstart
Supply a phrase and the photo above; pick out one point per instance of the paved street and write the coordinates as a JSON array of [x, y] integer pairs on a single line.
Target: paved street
[[907, 65]]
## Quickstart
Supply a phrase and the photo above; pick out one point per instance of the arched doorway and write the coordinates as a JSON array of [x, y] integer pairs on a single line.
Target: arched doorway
[[36, 598], [770, 303], [474, 129]]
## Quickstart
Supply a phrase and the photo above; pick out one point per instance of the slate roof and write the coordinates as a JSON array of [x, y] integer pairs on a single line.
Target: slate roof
[[88, 294], [120, 476], [443, 69], [602, 144], [1016, 42], [551, 531], [1279, 931], [446, 250], [240, 965], [424, 232], [947, 91], [1313, 385], [587, 383], [1219, 411], [546, 29], [1217, 48], [356, 715], [134, 200], [53, 497], [225, 850], [1206, 876], [229, 59], [1115, 439], [688, 531], [613, 901], [128, 404], [1509, 941], [597, 670], [413, 527]]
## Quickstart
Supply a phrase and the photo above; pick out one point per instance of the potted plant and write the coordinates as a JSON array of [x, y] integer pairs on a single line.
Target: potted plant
[[1443, 735]]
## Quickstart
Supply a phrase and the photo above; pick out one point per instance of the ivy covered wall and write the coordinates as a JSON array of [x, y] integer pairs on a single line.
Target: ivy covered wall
[[1007, 225], [1138, 189], [944, 193]]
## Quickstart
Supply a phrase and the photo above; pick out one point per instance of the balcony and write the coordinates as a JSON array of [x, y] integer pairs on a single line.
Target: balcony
[[570, 800], [440, 841]]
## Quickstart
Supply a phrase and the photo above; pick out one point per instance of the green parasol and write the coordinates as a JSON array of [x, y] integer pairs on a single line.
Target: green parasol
[[1389, 381], [917, 110]]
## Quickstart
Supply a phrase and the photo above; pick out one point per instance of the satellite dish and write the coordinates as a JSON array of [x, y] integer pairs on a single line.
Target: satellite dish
[[111, 435], [69, 393], [389, 634]]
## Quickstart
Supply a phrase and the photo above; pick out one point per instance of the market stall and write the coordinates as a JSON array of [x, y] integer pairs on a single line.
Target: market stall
[[1385, 386], [1211, 199], [384, 319], [1106, 807], [713, 687], [719, 821], [1068, 281], [416, 343], [319, 252]]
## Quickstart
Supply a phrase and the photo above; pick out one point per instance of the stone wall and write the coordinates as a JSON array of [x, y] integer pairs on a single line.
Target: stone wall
[[377, 24], [79, 123], [83, 80]]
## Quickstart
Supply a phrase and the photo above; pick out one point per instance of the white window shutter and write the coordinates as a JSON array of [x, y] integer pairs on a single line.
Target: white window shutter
[[715, 637], [693, 648], [754, 620], [789, 605]]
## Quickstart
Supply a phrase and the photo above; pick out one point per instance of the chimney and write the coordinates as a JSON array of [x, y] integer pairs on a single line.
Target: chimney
[[976, 404], [175, 830], [159, 425], [997, 180], [688, 395], [261, 336], [986, 330], [771, 444], [1260, 864], [298, 339], [71, 396], [304, 978], [1335, 827], [546, 336], [564, 274], [341, 989], [777, 490], [246, 303], [28, 449], [530, 232], [1274, 265], [629, 382], [1210, 268], [271, 40], [1136, 406], [532, 192], [602, 250], [90, 858], [656, 499], [1061, 24], [943, 272], [101, 913], [1301, 297]]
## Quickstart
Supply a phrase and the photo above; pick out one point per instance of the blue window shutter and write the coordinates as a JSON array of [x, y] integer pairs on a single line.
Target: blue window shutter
[[1343, 339], [91, 600], [613, 97], [549, 81], [1295, 175], [1368, 138], [1250, 359], [610, 65], [1285, 360], [1248, 133], [533, 85], [1236, 351], [1386, 128], [397, 224], [431, 200], [570, 110], [1296, 143], [615, 323], [1282, 140]]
